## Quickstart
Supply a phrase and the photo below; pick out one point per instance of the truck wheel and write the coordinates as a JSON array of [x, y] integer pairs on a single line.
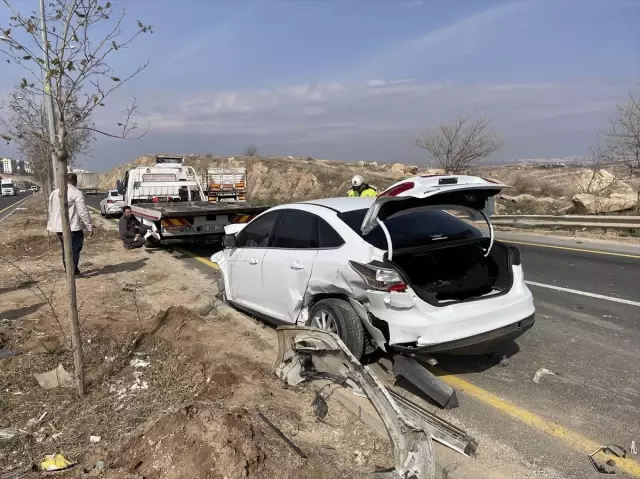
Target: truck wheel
[[338, 316]]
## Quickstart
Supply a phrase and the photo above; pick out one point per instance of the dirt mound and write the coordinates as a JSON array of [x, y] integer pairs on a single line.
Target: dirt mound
[[29, 246]]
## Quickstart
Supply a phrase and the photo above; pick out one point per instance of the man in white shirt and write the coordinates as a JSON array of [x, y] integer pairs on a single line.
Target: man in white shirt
[[79, 218]]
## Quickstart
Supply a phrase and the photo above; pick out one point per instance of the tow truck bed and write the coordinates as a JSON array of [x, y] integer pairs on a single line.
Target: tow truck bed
[[156, 211]]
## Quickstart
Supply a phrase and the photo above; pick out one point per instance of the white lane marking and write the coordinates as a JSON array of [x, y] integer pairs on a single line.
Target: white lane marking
[[15, 207], [584, 293]]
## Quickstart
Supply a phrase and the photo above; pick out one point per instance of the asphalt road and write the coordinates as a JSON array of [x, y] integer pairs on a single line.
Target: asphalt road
[[590, 343], [9, 203]]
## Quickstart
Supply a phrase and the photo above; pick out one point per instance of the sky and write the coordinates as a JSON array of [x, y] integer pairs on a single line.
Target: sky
[[356, 80]]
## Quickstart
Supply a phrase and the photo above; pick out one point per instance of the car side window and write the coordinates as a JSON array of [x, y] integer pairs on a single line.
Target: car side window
[[256, 234], [297, 230], [327, 236]]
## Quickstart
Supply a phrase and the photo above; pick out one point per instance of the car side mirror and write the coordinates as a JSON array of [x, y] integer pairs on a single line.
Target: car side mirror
[[229, 241], [120, 187]]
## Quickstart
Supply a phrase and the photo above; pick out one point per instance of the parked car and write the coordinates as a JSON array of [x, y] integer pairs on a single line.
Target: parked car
[[111, 204], [395, 271]]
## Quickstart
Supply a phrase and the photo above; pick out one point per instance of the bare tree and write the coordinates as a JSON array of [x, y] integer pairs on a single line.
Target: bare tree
[[26, 124], [250, 150], [65, 54], [460, 144], [622, 140]]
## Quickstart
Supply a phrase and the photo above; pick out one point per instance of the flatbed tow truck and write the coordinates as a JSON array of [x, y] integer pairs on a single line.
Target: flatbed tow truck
[[169, 199]]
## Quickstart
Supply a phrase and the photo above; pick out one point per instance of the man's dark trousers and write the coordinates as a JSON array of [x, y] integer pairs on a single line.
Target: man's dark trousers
[[77, 240]]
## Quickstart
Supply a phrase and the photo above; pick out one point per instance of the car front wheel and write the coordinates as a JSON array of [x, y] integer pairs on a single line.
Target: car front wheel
[[339, 317]]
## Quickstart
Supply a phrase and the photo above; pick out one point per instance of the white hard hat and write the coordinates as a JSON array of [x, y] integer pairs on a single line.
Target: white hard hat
[[357, 180]]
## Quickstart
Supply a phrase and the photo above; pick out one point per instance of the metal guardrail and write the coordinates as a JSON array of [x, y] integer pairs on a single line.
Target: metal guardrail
[[567, 221]]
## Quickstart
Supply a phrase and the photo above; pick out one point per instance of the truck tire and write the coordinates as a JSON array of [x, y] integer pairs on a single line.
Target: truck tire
[[338, 316]]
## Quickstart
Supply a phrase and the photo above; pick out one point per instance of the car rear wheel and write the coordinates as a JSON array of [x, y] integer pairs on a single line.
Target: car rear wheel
[[339, 317]]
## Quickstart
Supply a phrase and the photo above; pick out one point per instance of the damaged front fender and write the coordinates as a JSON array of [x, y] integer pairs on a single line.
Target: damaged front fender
[[307, 353]]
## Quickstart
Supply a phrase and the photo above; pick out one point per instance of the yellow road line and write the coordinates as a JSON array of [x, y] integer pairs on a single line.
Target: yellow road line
[[581, 250], [16, 204], [202, 260], [574, 440]]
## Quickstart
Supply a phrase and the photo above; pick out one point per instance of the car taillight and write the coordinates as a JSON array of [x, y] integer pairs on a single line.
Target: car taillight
[[396, 190], [381, 279], [109, 201]]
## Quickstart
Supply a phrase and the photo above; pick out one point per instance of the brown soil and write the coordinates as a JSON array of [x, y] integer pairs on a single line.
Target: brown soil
[[190, 413]]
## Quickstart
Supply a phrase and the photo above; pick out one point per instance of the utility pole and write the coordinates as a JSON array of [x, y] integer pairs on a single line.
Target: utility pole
[[48, 99]]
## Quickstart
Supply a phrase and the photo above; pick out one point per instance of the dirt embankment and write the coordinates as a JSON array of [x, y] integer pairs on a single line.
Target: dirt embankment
[[536, 190], [172, 391]]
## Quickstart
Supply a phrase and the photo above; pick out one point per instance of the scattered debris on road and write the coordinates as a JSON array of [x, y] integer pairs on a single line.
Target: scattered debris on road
[[308, 353], [606, 465], [634, 449], [425, 381], [542, 372]]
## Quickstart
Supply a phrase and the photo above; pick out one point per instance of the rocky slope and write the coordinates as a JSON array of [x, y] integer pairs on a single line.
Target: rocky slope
[[536, 190]]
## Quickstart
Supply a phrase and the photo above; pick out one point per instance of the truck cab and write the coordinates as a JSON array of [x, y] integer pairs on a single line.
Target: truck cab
[[168, 180]]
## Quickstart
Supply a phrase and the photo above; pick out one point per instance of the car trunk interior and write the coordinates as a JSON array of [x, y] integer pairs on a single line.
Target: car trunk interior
[[443, 274]]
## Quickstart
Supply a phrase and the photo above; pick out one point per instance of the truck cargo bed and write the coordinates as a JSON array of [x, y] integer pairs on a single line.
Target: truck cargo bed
[[176, 210]]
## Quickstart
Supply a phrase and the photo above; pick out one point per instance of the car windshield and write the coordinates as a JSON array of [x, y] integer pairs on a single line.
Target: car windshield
[[413, 227]]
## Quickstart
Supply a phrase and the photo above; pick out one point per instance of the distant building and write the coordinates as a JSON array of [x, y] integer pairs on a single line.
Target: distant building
[[9, 166]]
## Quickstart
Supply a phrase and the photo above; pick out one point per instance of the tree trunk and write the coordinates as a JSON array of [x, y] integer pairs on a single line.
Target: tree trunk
[[76, 340]]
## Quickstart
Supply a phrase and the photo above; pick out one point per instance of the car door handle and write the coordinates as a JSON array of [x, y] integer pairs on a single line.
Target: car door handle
[[253, 261], [296, 265]]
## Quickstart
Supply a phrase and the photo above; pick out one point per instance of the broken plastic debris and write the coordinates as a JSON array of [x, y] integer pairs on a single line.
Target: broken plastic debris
[[139, 363], [94, 439], [542, 372], [634, 449], [55, 378], [55, 462]]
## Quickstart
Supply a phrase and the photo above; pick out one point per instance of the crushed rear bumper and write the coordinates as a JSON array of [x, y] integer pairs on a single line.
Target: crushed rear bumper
[[482, 343]]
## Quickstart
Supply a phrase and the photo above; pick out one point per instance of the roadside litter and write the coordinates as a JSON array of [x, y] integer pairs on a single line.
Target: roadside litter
[[55, 378], [428, 383], [8, 433], [634, 449], [55, 462], [542, 372], [9, 353]]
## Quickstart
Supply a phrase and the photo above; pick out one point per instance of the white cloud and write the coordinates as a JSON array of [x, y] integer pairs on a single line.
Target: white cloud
[[391, 104]]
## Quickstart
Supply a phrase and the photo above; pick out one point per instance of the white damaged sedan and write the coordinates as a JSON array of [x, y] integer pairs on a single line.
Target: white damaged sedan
[[397, 271]]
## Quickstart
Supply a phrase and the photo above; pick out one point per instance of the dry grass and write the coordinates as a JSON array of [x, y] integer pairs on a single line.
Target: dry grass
[[527, 185]]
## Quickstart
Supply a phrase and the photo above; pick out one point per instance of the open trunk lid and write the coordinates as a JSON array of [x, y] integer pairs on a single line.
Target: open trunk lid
[[472, 193]]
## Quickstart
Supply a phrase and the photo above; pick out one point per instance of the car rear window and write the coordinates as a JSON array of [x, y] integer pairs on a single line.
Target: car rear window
[[114, 193], [413, 228]]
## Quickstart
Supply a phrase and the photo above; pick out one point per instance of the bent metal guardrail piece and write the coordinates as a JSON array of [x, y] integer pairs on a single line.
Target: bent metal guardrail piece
[[307, 353]]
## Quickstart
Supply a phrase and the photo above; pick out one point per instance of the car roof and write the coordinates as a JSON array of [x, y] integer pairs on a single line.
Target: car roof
[[341, 204]]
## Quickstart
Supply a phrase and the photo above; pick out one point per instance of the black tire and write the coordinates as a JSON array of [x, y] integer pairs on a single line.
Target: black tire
[[103, 214], [347, 321]]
